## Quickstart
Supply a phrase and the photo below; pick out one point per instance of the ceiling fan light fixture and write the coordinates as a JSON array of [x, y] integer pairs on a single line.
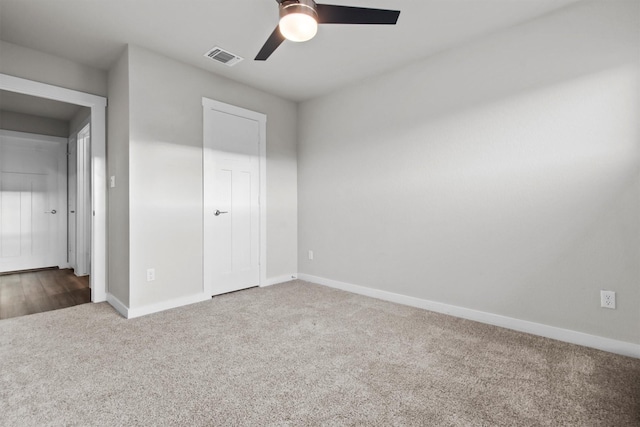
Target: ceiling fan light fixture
[[298, 20]]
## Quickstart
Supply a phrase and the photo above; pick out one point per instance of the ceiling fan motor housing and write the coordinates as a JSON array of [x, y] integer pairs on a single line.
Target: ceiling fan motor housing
[[305, 7]]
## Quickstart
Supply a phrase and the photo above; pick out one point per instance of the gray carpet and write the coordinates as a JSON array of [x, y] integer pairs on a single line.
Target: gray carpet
[[300, 354]]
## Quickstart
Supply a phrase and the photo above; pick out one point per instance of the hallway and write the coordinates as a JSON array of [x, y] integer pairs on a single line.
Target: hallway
[[42, 290]]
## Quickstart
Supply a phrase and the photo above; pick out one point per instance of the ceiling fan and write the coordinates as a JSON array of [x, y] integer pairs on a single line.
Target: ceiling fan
[[299, 21]]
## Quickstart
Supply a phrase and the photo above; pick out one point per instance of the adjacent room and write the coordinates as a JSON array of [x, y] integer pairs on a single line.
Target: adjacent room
[[46, 202], [368, 212]]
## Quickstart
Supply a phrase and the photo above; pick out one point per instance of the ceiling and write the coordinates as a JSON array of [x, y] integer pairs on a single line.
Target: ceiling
[[94, 33], [26, 104]]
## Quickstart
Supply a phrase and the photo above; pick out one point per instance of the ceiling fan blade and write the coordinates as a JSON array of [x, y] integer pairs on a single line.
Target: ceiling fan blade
[[275, 39], [331, 14]]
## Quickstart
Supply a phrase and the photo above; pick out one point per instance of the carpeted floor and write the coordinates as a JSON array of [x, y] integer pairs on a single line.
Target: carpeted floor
[[300, 354]]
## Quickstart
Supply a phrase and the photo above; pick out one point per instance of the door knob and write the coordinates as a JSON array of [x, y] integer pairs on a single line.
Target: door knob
[[219, 213], [52, 211]]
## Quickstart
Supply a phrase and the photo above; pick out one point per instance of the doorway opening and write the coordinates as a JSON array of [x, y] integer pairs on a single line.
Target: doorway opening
[[41, 174], [95, 237]]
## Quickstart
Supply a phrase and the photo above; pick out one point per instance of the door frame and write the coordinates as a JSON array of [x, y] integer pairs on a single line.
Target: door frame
[[83, 204], [98, 105], [71, 218], [261, 118]]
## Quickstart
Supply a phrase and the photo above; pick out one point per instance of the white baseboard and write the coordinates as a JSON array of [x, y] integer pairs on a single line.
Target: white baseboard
[[118, 305], [280, 279], [167, 305], [566, 335], [130, 313]]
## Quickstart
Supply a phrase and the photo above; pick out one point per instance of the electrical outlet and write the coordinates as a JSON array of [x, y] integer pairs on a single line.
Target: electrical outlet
[[310, 254], [112, 181], [151, 274], [608, 299]]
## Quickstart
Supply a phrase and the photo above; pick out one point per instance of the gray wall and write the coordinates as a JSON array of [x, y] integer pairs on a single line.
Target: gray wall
[[20, 122], [118, 166], [155, 131], [501, 176], [45, 68], [165, 189]]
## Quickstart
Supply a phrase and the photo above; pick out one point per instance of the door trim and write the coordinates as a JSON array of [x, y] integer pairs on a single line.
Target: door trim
[[261, 118], [98, 105], [71, 218], [83, 205]]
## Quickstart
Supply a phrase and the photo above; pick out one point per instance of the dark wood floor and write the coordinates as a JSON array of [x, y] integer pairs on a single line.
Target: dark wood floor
[[43, 290]]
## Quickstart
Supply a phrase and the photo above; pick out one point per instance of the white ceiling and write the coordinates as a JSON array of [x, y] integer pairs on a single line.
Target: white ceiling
[[25, 104], [94, 32]]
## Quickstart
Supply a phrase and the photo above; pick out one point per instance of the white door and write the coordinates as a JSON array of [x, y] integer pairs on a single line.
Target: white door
[[32, 201], [231, 201]]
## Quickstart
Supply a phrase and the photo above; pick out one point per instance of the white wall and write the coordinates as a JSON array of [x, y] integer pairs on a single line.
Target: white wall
[[501, 176], [46, 68], [20, 122], [166, 175], [118, 166]]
